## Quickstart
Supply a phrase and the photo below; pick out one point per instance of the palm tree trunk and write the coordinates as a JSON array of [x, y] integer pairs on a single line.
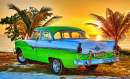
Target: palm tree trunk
[[116, 47]]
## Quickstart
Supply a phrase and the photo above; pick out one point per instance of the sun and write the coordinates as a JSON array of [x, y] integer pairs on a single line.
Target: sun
[[99, 24], [99, 37]]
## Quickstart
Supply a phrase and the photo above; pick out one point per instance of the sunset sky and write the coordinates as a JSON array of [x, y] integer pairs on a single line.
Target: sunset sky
[[75, 12]]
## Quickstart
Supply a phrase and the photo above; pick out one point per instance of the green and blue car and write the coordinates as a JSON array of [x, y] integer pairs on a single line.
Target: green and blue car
[[65, 47]]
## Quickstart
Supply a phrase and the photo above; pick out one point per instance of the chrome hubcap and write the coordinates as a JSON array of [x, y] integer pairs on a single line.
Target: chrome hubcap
[[21, 58], [56, 65]]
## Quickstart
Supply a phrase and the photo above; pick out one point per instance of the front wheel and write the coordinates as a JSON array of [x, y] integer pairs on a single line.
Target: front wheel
[[57, 67], [92, 67], [20, 57]]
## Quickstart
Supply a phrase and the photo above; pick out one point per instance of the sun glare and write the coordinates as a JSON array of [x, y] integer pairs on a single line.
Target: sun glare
[[87, 36], [99, 37], [98, 23]]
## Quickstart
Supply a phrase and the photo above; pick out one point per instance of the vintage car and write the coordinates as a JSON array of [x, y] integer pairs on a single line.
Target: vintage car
[[65, 47]]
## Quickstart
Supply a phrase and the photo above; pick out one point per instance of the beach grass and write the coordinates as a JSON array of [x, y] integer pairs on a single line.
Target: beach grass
[[124, 51]]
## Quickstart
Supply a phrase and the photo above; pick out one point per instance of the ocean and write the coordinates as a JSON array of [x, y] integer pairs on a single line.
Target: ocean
[[7, 45]]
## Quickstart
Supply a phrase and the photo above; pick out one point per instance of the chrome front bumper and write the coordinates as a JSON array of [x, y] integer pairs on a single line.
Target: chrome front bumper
[[95, 61]]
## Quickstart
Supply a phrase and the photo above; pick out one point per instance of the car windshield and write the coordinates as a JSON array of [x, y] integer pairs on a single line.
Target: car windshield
[[70, 34]]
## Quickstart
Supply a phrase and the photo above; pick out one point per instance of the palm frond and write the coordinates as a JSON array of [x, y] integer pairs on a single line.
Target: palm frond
[[49, 14], [105, 32], [95, 25], [37, 19], [104, 23], [99, 18], [124, 30], [29, 14], [122, 33], [54, 18], [125, 20], [109, 15], [45, 9], [21, 27], [11, 6], [22, 14]]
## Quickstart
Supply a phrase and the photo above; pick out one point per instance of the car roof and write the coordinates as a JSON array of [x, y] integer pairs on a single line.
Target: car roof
[[54, 29]]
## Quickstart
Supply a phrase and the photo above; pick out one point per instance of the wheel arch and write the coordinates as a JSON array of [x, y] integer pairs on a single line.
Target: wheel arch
[[61, 70], [17, 49], [51, 58]]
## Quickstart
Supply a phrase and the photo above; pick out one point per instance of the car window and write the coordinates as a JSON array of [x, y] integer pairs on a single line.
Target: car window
[[35, 35], [45, 35], [68, 34], [65, 35], [76, 35], [57, 35]]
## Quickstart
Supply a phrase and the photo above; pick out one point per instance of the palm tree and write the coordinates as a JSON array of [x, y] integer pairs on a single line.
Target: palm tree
[[30, 24], [114, 26], [12, 31], [30, 20]]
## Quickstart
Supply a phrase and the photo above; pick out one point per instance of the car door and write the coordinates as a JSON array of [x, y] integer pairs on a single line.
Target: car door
[[44, 45], [31, 49]]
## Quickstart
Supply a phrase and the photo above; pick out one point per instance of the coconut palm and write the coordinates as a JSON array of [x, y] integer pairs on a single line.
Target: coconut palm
[[31, 21], [24, 22], [114, 26]]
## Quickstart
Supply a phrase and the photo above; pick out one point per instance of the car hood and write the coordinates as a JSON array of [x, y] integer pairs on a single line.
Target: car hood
[[94, 46]]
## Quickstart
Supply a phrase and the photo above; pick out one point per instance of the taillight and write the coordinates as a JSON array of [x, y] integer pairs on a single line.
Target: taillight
[[79, 50]]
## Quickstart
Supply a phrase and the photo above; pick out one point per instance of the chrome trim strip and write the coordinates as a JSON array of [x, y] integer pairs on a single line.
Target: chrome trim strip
[[95, 61], [55, 48], [33, 47], [98, 52]]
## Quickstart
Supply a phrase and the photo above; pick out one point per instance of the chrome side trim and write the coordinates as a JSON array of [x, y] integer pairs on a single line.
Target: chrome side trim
[[55, 48], [34, 46], [96, 61], [99, 52]]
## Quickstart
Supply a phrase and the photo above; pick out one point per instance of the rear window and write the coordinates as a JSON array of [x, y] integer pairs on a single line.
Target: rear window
[[69, 34]]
